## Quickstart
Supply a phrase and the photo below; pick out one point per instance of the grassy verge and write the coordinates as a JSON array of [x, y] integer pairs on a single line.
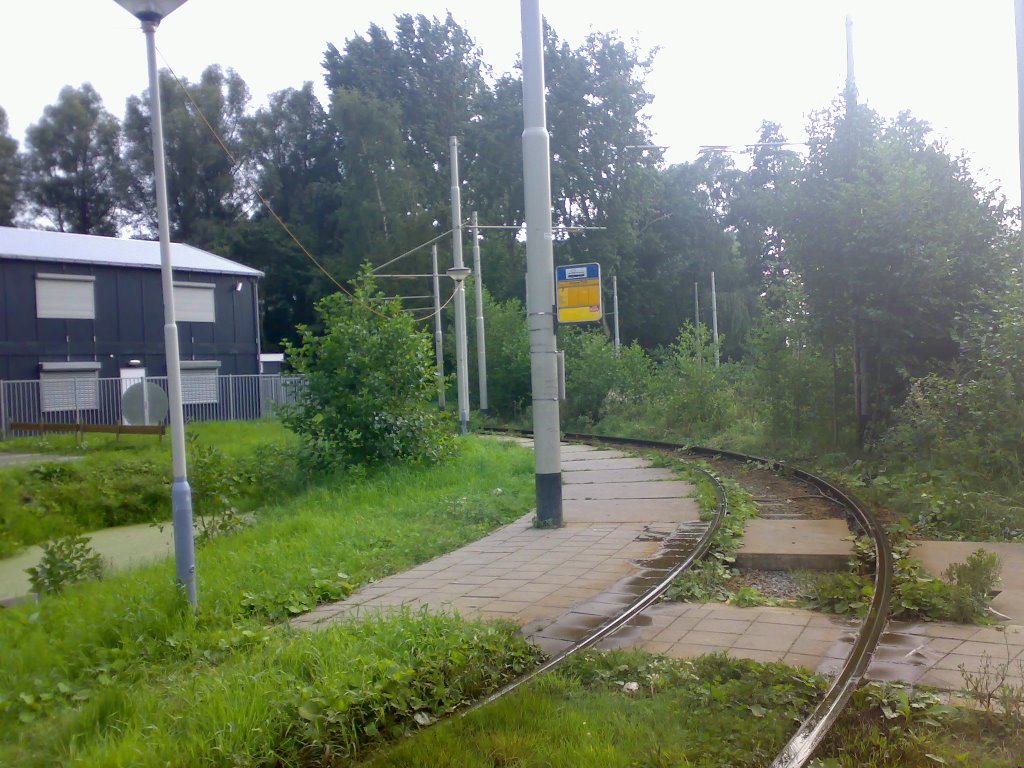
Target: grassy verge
[[241, 464], [627, 709], [90, 675]]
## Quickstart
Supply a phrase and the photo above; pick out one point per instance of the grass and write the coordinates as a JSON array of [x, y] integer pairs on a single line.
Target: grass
[[127, 481], [90, 675], [706, 712]]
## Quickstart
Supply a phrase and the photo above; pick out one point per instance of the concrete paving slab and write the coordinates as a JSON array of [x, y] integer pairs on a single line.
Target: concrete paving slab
[[656, 489], [786, 545], [601, 462], [937, 556], [636, 475], [630, 510], [570, 456]]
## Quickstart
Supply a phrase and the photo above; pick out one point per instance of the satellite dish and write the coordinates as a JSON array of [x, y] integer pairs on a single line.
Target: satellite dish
[[144, 403]]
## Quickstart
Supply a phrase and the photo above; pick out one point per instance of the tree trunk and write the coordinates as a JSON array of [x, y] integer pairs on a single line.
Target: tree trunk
[[860, 385]]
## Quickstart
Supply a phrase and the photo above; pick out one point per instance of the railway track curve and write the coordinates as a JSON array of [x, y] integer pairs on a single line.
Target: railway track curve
[[798, 752]]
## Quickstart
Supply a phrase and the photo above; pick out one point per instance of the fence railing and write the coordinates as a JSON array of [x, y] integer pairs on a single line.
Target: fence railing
[[86, 400]]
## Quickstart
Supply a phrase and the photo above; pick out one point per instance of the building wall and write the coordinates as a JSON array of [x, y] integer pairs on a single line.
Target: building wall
[[128, 324]]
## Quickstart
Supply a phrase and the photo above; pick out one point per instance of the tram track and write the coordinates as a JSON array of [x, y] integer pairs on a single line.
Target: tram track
[[798, 752]]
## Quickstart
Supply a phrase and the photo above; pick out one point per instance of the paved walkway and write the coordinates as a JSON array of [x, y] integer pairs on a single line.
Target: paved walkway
[[622, 517]]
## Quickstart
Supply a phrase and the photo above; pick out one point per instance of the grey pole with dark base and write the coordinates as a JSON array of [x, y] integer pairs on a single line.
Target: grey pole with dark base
[[181, 492], [540, 273]]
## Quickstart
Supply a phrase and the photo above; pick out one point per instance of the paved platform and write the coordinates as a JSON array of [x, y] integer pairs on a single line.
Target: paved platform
[[537, 577], [622, 519]]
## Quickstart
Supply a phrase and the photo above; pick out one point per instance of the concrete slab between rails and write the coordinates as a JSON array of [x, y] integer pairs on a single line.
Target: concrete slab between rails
[[790, 545], [939, 555]]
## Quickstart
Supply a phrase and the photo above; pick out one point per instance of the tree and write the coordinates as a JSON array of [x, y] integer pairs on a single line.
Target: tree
[[73, 164], [291, 151], [203, 195], [369, 380], [893, 241], [10, 174]]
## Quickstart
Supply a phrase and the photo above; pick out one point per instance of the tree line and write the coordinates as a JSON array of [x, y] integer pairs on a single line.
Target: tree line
[[869, 252]]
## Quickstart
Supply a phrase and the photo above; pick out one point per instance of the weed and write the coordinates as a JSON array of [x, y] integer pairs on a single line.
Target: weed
[[915, 593]]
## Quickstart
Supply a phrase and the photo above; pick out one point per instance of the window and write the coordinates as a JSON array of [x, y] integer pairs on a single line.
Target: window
[[193, 302], [69, 297], [69, 387], [199, 381]]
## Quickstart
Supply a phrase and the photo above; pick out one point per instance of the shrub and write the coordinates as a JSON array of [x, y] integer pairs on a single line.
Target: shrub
[[597, 378], [67, 560], [370, 377], [508, 356]]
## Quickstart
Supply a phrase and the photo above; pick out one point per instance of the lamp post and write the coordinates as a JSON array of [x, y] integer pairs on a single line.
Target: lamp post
[[151, 13]]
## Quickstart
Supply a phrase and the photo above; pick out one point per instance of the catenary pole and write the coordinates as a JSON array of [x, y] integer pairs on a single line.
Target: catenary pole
[[1019, 23], [540, 268], [438, 334], [461, 353], [615, 308], [481, 337], [714, 318]]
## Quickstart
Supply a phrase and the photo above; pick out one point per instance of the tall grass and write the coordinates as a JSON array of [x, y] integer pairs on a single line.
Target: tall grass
[[117, 644]]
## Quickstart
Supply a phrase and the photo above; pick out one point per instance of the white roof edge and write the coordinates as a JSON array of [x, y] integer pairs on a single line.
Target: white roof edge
[[68, 248]]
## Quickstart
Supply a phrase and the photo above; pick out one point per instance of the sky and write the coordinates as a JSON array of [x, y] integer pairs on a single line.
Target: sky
[[722, 66]]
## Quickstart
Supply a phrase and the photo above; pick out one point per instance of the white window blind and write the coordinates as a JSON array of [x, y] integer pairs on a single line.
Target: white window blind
[[69, 387], [193, 302], [69, 297], [199, 381]]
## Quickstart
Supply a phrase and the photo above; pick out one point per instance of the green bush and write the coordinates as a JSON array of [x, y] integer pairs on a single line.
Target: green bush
[[598, 378], [508, 356], [67, 560], [370, 378]]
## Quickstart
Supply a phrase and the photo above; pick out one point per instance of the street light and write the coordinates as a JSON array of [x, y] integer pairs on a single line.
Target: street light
[[151, 13]]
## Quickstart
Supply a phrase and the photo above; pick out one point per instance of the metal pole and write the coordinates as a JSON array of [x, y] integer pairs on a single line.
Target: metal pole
[[481, 340], [696, 306], [438, 338], [615, 308], [461, 353], [1019, 18], [714, 318], [540, 269], [181, 492]]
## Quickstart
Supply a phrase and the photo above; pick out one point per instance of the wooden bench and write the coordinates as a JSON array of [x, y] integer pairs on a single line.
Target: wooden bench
[[80, 428]]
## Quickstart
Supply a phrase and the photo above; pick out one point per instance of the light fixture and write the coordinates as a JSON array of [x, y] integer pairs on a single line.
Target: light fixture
[[150, 10], [459, 274]]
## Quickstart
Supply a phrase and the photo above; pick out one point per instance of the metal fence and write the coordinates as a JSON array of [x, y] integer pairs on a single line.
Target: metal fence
[[90, 400]]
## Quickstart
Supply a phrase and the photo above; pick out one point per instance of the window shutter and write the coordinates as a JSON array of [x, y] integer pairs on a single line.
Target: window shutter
[[193, 302], [69, 297]]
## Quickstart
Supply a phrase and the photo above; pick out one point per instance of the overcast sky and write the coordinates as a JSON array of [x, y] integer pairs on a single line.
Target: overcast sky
[[723, 66]]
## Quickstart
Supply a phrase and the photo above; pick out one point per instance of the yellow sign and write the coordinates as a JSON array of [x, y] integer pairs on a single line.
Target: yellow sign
[[579, 293]]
